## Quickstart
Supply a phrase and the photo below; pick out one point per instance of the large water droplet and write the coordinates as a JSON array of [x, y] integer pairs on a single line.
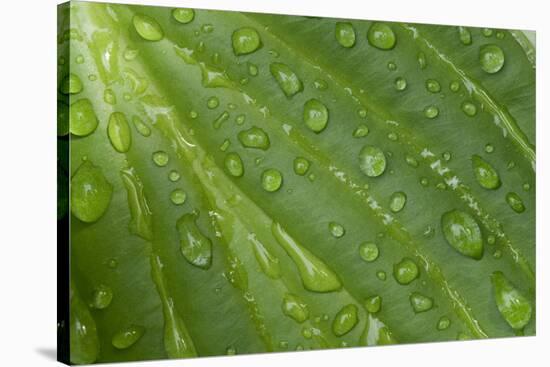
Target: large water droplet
[[194, 245], [147, 27], [345, 34], [336, 229], [369, 251], [420, 302], [127, 337], [287, 79], [119, 132], [515, 202], [405, 271], [513, 306], [161, 158], [90, 192], [462, 232], [315, 115], [71, 84], [345, 320], [83, 120], [316, 275], [234, 164], [272, 180], [491, 58], [183, 15], [245, 41], [142, 217], [397, 201], [101, 297], [294, 307], [372, 161], [465, 35], [254, 137], [381, 36], [84, 342], [373, 304], [486, 176]]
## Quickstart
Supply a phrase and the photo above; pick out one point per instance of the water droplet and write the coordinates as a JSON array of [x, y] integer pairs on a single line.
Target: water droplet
[[130, 54], [512, 305], [487, 32], [255, 138], [119, 132], [283, 344], [465, 35], [212, 102], [369, 251], [174, 176], [491, 239], [240, 119], [361, 131], [526, 186], [301, 166], [147, 27], [252, 69], [295, 308], [381, 275], [160, 158], [268, 262], [469, 108], [112, 263], [127, 337], [194, 245], [316, 275], [510, 165], [372, 161], [397, 201], [411, 161], [272, 180], [486, 176], [336, 229], [141, 127], [422, 60], [392, 66], [400, 83], [362, 113], [443, 323], [405, 271], [345, 34], [234, 164], [381, 36], [183, 15], [84, 343], [90, 192], [454, 86], [373, 304], [345, 320], [462, 232], [207, 28], [101, 297], [424, 181], [79, 59], [109, 96], [431, 112], [83, 120], [447, 156], [515, 202], [141, 222], [433, 86], [224, 116], [429, 232], [320, 84], [287, 79], [315, 115], [178, 197], [71, 84], [245, 41], [92, 77], [420, 302], [497, 254], [491, 58], [489, 148]]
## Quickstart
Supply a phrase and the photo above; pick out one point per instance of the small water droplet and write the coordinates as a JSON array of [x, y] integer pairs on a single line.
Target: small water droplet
[[272, 180], [224, 116], [381, 36], [345, 320], [489, 148], [392, 66], [295, 308], [287, 79], [315, 115], [443, 323], [491, 239], [433, 86], [92, 77], [336, 229], [368, 251], [429, 232], [373, 304], [141, 127], [393, 136], [301, 166], [372, 161], [174, 176], [431, 112], [112, 263], [127, 337], [320, 84], [405, 271], [255, 138], [252, 69], [183, 15], [515, 202], [90, 192], [234, 164], [71, 84], [465, 35], [245, 41], [420, 302], [397, 201], [362, 113], [487, 32], [345, 34], [424, 181], [381, 275], [486, 176], [130, 54], [101, 297], [454, 86], [160, 158], [400, 83], [119, 132], [225, 145], [361, 131], [421, 57], [447, 156], [463, 233], [178, 197], [469, 108], [411, 161], [491, 58], [212, 102], [207, 28], [497, 254], [514, 307], [147, 27], [79, 59], [526, 186]]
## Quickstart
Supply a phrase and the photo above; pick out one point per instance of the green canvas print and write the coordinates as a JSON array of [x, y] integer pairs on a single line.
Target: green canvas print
[[235, 183]]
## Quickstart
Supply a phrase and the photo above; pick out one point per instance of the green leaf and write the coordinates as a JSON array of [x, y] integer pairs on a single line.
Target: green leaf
[[245, 183]]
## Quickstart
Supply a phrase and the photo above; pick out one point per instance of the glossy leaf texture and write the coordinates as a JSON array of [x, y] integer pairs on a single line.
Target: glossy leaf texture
[[245, 183]]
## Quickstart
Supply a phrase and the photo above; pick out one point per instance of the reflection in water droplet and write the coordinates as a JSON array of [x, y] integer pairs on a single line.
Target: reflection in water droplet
[[373, 304], [443, 323], [174, 176], [71, 84], [433, 86], [212, 102], [381, 275]]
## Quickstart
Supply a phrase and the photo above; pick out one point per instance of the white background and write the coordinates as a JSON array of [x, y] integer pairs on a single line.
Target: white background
[[28, 187]]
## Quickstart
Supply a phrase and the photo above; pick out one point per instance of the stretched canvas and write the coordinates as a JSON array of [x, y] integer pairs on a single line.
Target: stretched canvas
[[234, 183]]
